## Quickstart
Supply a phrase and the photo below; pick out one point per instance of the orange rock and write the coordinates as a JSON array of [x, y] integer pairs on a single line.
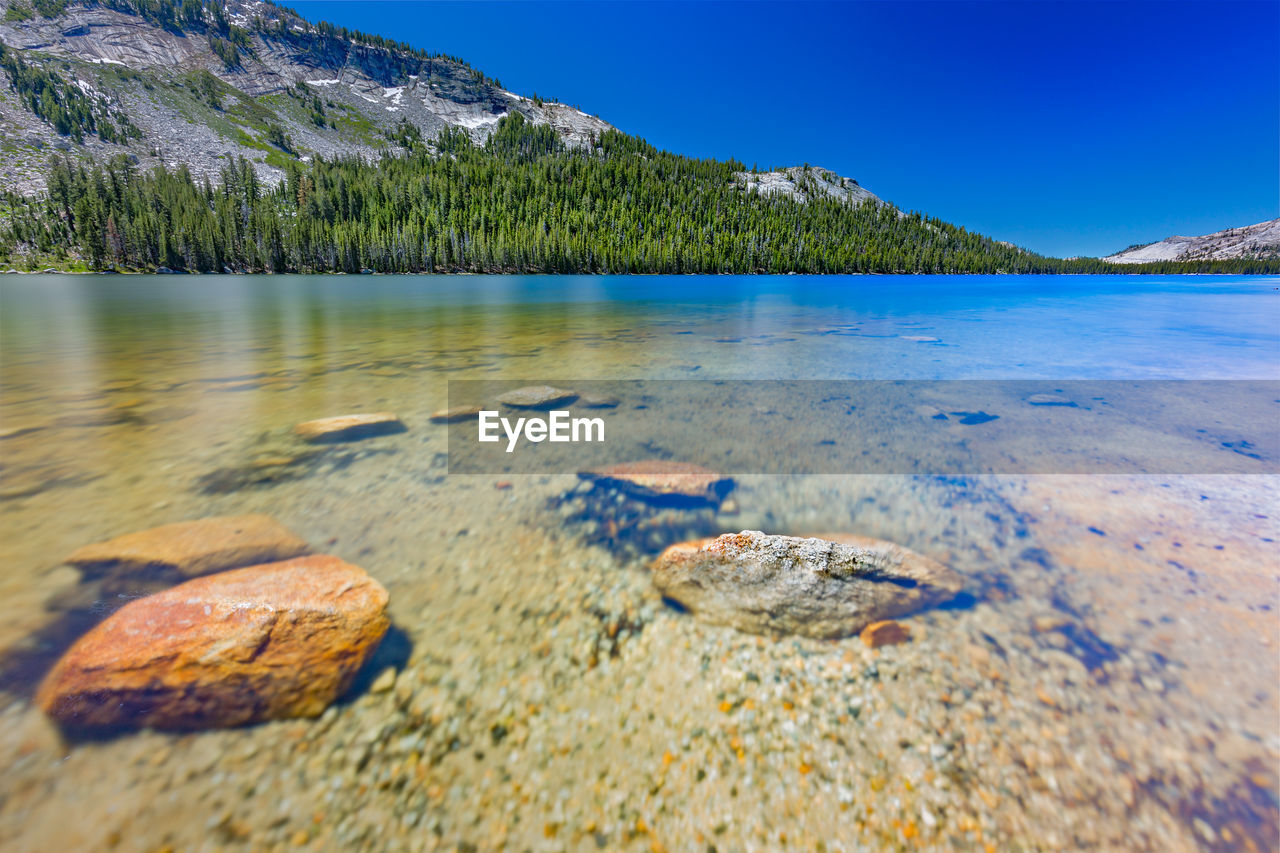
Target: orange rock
[[349, 427], [659, 479], [682, 550], [455, 414], [886, 633], [264, 642], [192, 548]]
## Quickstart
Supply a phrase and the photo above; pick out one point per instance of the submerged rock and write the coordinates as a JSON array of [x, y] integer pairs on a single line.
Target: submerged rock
[[537, 397], [1050, 400], [263, 470], [886, 633], [455, 414], [640, 508], [24, 481], [663, 481], [349, 427], [598, 401], [820, 588], [14, 432], [265, 642], [191, 548]]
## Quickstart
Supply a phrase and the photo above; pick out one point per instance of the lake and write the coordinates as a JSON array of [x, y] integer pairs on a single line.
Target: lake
[[1110, 676]]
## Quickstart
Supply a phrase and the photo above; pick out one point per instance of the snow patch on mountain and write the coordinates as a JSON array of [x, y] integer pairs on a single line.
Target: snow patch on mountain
[[473, 122]]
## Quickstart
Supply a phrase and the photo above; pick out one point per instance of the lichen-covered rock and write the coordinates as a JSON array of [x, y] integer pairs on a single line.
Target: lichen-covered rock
[[263, 642], [663, 481], [820, 588], [349, 427], [537, 397], [191, 548]]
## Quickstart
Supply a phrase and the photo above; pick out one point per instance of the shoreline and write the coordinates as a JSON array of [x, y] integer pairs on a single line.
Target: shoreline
[[646, 274]]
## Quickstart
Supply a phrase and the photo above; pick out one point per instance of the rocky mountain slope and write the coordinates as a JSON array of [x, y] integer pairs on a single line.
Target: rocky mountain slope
[[803, 183], [1253, 241], [200, 83]]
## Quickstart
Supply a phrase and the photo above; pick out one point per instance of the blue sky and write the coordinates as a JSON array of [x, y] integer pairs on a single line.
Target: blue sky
[[1069, 128]]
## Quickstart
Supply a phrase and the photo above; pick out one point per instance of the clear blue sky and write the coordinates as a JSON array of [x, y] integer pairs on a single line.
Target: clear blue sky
[[1069, 128]]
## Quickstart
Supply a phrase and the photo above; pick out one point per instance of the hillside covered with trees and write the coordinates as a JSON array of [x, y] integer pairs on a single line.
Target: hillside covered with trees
[[522, 201]]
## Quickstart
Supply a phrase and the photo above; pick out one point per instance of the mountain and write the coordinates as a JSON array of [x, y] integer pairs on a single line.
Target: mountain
[[202, 83], [234, 135], [1259, 241]]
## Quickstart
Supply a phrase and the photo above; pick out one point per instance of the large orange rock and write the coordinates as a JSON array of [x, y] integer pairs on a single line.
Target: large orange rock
[[191, 548], [663, 480], [264, 642]]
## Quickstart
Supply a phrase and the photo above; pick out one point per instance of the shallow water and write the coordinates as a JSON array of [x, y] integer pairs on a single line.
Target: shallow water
[[1109, 679]]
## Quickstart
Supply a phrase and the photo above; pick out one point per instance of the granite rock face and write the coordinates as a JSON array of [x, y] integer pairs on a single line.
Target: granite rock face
[[263, 642], [282, 55], [1261, 240], [189, 549], [824, 588], [805, 183]]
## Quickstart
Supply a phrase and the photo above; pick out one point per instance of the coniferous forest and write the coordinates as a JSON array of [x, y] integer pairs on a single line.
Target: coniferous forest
[[520, 203]]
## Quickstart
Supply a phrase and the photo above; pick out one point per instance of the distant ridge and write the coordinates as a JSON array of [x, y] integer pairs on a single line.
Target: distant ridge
[[1261, 242]]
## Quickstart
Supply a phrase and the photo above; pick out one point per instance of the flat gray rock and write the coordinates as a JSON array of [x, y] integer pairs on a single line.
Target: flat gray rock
[[1049, 400], [349, 427], [824, 588], [537, 397], [456, 414], [598, 401]]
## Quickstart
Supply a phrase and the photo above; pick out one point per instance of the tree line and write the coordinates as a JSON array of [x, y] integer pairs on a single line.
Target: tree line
[[522, 202]]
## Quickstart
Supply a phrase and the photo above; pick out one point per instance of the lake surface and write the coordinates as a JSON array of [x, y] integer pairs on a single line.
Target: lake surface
[[1110, 678]]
